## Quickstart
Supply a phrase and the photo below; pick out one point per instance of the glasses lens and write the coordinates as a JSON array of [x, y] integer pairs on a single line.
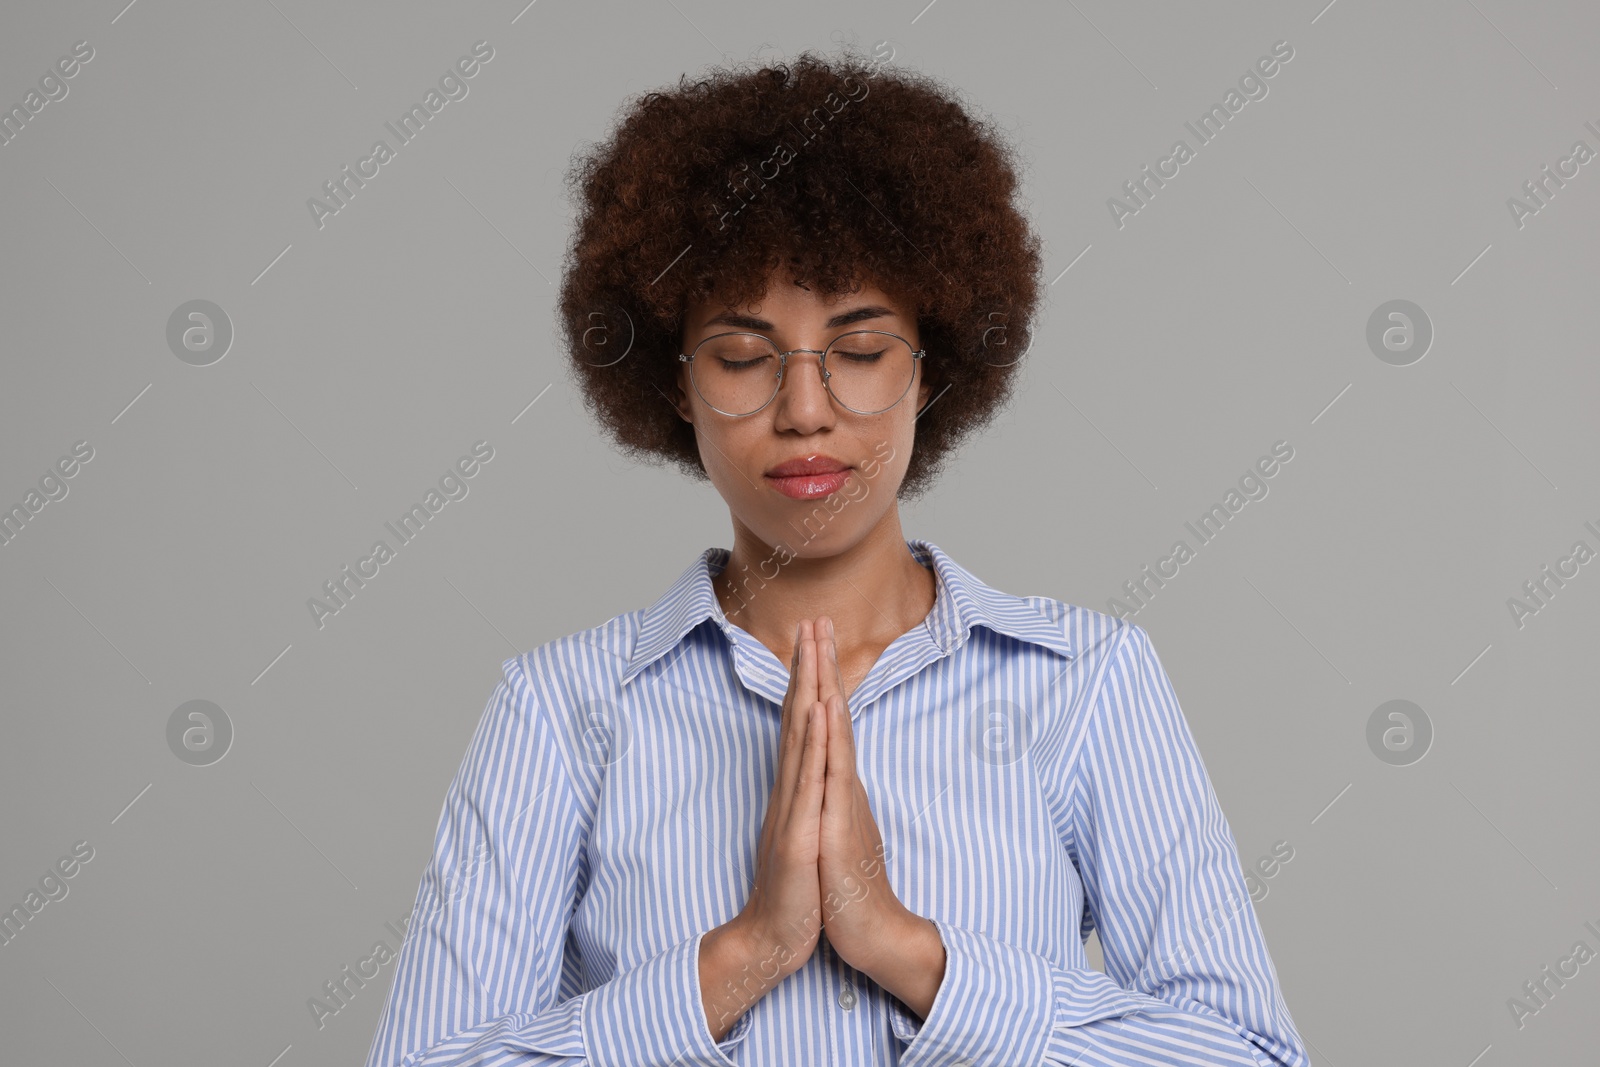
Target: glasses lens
[[736, 372], [870, 371]]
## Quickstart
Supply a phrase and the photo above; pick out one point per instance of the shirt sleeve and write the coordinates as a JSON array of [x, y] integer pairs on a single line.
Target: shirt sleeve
[[479, 976], [1188, 979]]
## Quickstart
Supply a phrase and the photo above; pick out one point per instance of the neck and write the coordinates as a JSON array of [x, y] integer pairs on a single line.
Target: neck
[[874, 590]]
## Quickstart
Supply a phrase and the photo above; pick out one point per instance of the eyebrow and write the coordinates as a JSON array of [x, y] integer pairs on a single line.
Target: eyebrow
[[846, 318]]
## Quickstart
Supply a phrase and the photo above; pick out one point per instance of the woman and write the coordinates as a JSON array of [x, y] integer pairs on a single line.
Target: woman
[[830, 799]]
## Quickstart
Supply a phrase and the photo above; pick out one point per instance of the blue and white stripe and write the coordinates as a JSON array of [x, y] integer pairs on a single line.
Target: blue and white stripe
[[1031, 773]]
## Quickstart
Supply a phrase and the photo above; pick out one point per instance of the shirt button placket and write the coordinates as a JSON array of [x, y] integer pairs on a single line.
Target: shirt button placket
[[857, 1045]]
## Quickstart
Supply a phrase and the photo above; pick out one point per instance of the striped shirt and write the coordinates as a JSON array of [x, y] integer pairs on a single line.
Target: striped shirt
[[1031, 773]]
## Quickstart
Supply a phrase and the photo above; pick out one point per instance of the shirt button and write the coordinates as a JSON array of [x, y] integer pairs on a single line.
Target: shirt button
[[847, 997]]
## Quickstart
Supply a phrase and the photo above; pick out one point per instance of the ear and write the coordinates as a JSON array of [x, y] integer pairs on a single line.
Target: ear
[[681, 396]]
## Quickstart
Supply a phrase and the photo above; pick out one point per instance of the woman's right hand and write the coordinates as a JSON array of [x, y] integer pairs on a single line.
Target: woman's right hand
[[783, 917]]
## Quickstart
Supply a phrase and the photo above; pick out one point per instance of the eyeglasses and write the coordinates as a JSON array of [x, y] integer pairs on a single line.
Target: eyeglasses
[[866, 371]]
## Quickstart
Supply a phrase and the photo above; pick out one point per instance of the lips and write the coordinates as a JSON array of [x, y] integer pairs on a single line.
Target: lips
[[810, 486], [809, 477], [812, 464]]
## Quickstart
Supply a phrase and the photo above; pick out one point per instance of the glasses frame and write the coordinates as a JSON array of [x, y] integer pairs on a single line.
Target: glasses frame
[[783, 367]]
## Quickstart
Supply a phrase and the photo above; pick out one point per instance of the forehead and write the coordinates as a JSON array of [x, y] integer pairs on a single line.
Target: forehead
[[784, 300]]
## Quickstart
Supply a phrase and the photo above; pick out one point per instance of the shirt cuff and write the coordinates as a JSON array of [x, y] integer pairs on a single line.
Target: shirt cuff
[[654, 1016], [995, 1004]]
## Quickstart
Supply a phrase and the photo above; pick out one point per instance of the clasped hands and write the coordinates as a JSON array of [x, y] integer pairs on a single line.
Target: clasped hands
[[865, 922]]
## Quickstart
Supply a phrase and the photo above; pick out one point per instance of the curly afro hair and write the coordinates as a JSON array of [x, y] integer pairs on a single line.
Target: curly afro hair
[[839, 171]]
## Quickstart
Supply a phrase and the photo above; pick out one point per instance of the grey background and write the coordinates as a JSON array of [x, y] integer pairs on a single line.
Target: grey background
[[369, 355]]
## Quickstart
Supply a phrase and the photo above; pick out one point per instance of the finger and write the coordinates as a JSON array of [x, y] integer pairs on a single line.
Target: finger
[[806, 670], [828, 661], [809, 789], [841, 766], [833, 670], [839, 723], [791, 723], [794, 666], [864, 811]]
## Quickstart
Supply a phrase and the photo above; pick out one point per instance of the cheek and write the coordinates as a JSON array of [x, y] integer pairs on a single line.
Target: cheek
[[887, 448], [724, 449]]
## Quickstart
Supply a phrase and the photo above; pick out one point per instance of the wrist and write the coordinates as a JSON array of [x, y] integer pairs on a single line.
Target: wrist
[[763, 957], [913, 965], [730, 986]]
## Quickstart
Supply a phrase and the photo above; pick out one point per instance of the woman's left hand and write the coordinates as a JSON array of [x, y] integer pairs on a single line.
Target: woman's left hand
[[861, 914]]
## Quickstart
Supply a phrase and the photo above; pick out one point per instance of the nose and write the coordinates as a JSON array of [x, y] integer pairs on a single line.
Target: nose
[[794, 366], [803, 399]]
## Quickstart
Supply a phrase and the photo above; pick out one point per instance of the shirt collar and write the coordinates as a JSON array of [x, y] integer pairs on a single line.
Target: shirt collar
[[960, 602]]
